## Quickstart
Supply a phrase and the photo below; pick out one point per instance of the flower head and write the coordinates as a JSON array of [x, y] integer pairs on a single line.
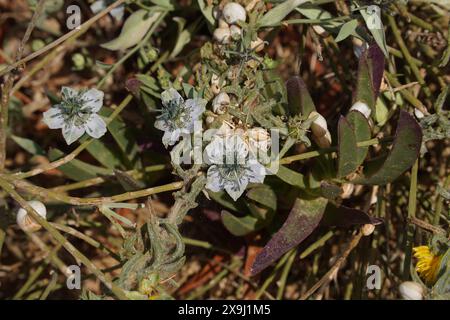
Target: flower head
[[77, 114], [428, 263], [178, 116], [232, 166]]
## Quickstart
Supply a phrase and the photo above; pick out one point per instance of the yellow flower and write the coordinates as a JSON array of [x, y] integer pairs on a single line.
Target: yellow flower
[[428, 263]]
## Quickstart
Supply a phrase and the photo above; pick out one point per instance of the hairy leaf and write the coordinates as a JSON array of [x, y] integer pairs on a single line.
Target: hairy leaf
[[302, 220]]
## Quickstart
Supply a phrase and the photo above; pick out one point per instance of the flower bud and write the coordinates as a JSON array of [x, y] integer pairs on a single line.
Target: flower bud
[[367, 229], [234, 12], [220, 103], [362, 107], [257, 45], [222, 35], [25, 221], [419, 114], [235, 32], [319, 126], [410, 290]]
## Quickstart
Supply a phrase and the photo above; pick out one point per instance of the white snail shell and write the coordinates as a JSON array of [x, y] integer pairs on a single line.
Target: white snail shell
[[222, 35], [25, 221], [215, 84], [220, 102], [260, 138], [410, 290], [362, 107], [234, 12], [319, 126]]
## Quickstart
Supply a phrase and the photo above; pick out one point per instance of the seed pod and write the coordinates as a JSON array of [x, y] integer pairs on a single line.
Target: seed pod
[[222, 35], [410, 290], [362, 107], [26, 222], [319, 126], [220, 103], [234, 12], [257, 45]]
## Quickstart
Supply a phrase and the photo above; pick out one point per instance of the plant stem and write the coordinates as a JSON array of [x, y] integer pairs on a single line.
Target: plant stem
[[45, 193], [412, 204], [9, 81], [439, 203], [284, 274], [404, 49], [63, 241]]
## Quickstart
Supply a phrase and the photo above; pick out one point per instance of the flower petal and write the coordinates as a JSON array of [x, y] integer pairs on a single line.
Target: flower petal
[[236, 188], [256, 172], [171, 137], [92, 100], [95, 126], [162, 125], [214, 181], [72, 133], [171, 95], [67, 93], [196, 107], [214, 151], [53, 118]]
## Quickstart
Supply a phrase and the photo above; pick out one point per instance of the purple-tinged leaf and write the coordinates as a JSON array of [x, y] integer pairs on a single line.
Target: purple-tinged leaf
[[299, 99], [362, 132], [405, 150], [345, 217], [347, 149], [302, 220], [370, 74]]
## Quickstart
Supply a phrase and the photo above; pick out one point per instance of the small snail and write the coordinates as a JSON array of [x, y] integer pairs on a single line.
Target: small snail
[[234, 12], [25, 221]]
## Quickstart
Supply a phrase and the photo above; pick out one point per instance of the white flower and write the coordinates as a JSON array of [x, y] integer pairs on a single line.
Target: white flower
[[77, 114], [232, 166], [177, 116], [255, 138], [117, 13]]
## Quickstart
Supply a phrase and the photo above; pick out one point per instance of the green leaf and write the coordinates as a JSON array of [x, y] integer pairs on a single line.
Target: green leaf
[[106, 155], [275, 15], [223, 199], [330, 191], [347, 149], [124, 137], [28, 145], [77, 170], [302, 220], [264, 195], [133, 30], [372, 17], [207, 11], [362, 131], [404, 152], [299, 99], [239, 226], [346, 30], [291, 177], [315, 12]]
